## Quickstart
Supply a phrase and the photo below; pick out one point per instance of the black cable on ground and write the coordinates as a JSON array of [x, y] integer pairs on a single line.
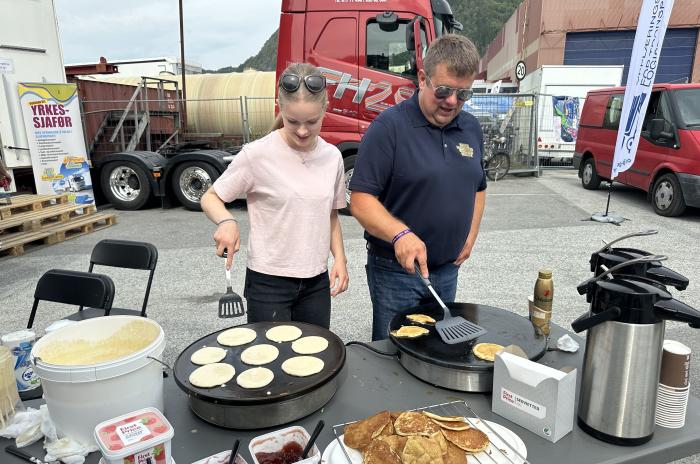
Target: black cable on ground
[[379, 352]]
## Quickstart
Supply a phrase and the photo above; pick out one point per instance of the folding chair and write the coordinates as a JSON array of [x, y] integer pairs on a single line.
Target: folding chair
[[125, 254], [73, 288]]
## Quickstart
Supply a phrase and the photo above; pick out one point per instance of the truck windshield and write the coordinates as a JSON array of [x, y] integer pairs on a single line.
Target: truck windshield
[[688, 101]]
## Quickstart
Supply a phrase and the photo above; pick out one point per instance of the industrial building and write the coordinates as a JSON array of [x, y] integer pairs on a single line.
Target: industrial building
[[592, 32]]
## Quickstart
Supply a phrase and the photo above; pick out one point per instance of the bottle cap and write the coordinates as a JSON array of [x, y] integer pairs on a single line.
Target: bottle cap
[[545, 274]]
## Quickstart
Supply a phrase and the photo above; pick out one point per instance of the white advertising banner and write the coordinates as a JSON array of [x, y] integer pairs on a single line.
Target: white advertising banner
[[646, 53], [55, 133]]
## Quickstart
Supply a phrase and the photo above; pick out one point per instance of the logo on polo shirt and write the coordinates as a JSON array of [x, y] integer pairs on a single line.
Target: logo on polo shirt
[[466, 150]]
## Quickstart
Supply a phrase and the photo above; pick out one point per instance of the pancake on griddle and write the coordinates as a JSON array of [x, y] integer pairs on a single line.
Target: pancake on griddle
[[486, 351], [415, 423], [421, 450], [409, 331], [444, 418], [380, 452], [472, 440], [421, 319], [452, 425], [359, 434], [454, 455], [396, 442]]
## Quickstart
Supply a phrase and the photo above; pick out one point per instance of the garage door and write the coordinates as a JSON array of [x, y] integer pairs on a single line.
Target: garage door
[[615, 47]]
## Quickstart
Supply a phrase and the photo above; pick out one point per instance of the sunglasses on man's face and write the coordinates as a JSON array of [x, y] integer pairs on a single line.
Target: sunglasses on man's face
[[442, 91], [314, 84]]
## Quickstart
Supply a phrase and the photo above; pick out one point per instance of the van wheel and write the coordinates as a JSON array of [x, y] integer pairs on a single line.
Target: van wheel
[[589, 176], [349, 165], [125, 185], [190, 181], [667, 196]]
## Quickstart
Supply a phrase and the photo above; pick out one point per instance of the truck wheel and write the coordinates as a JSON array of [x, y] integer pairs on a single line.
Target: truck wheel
[[349, 164], [498, 166], [125, 185], [190, 181], [667, 196], [589, 176]]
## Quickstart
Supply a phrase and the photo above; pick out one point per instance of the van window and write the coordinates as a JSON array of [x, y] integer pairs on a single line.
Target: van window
[[659, 108], [613, 112], [689, 107], [386, 50]]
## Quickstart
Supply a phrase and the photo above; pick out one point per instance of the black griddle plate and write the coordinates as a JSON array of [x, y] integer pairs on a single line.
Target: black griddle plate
[[503, 327], [283, 386]]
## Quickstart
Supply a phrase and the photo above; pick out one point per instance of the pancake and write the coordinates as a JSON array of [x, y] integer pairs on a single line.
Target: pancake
[[256, 377], [472, 440], [380, 452], [421, 450], [303, 366], [396, 442], [309, 345], [454, 455], [257, 355], [283, 333], [409, 331], [486, 351], [451, 425], [212, 375], [208, 355], [444, 418], [421, 319], [415, 423], [236, 337], [359, 434]]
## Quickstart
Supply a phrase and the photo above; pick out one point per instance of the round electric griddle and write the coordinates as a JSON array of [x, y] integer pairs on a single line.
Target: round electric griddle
[[285, 399], [455, 366]]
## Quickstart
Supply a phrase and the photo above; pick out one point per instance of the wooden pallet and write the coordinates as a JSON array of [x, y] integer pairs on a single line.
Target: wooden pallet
[[36, 220], [14, 243], [24, 203]]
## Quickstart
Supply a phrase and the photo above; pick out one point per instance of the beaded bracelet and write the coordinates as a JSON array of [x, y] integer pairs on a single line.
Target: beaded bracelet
[[399, 235], [226, 220]]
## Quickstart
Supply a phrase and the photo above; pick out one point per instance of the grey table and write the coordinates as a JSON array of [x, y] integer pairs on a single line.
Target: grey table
[[371, 383]]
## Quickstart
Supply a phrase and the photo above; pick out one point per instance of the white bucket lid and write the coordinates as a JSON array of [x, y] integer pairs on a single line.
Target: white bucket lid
[[97, 328], [15, 338]]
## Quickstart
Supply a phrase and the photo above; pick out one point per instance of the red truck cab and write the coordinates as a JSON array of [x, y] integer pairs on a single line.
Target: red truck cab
[[367, 51], [667, 164]]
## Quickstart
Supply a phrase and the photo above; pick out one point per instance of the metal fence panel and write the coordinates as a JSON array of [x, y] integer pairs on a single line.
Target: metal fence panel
[[508, 122]]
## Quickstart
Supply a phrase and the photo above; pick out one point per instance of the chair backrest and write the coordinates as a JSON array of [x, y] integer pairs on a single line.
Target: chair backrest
[[127, 254], [73, 288]]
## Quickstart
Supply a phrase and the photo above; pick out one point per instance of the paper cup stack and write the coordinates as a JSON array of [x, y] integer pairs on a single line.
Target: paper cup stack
[[674, 385]]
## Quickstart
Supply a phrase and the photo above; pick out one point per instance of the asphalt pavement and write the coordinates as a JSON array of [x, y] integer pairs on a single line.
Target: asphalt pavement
[[529, 223]]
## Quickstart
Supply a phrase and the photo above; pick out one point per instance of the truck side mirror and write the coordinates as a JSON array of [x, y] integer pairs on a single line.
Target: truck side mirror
[[413, 43], [388, 21]]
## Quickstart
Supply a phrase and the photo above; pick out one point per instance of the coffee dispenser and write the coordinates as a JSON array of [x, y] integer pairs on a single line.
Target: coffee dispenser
[[622, 360]]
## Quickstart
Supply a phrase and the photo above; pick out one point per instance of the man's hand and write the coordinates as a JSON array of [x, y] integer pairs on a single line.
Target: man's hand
[[466, 251], [227, 237], [408, 250], [339, 278]]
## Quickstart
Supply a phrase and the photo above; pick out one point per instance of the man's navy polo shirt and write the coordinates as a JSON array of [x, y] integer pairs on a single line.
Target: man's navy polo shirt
[[424, 175]]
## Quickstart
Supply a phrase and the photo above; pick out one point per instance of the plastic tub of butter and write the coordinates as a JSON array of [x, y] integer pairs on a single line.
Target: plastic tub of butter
[[98, 369], [135, 437], [283, 442]]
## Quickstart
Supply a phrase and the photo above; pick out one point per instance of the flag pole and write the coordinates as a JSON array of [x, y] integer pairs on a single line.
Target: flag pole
[[607, 206]]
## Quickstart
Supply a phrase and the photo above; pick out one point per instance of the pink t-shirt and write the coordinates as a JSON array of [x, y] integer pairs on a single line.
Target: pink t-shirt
[[290, 198]]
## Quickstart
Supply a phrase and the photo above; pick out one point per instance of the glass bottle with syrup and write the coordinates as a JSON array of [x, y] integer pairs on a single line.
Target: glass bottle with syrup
[[542, 299]]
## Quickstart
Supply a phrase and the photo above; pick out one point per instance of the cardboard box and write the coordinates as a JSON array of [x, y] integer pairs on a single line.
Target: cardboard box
[[536, 397]]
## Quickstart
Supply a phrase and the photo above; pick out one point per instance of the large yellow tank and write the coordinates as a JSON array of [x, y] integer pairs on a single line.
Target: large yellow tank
[[214, 103]]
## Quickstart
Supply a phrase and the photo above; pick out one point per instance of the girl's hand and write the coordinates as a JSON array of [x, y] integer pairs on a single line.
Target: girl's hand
[[339, 278]]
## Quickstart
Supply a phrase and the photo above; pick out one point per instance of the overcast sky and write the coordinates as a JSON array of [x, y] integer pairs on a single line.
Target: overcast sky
[[218, 33]]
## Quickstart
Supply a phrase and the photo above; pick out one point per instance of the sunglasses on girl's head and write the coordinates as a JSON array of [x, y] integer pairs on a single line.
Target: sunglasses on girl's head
[[314, 84], [442, 91]]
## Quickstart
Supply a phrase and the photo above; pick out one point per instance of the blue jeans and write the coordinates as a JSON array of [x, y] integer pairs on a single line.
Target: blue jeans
[[393, 290]]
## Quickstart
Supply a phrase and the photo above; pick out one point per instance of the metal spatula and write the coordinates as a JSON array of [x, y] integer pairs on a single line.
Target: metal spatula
[[452, 329], [230, 303]]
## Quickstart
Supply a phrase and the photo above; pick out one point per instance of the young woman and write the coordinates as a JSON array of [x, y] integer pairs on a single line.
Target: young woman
[[294, 183]]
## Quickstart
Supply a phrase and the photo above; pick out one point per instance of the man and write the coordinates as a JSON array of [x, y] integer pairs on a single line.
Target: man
[[418, 187]]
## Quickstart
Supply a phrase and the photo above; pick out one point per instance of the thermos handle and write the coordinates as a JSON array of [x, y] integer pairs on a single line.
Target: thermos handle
[[674, 310], [587, 321], [619, 239], [584, 286]]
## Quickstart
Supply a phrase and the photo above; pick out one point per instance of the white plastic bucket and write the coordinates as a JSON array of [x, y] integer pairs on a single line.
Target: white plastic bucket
[[80, 397]]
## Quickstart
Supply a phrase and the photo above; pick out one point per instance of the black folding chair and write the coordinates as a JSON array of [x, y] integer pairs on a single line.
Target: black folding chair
[[73, 288], [125, 254]]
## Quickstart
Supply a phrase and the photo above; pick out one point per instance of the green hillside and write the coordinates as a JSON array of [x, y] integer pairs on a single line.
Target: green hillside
[[482, 19]]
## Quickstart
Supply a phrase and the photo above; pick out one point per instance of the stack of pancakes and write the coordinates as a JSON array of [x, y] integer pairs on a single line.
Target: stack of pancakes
[[413, 437]]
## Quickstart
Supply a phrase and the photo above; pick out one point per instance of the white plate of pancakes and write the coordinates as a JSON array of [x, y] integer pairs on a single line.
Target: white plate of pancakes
[[503, 450]]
